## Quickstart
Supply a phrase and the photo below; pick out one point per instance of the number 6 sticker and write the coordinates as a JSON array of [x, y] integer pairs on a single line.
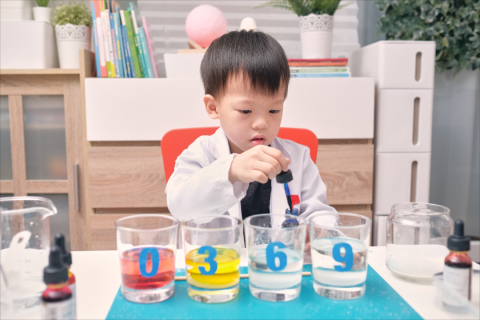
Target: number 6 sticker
[[212, 253], [271, 255], [347, 257], [142, 259]]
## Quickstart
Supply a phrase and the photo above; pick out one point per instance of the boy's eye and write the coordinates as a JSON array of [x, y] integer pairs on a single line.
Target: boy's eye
[[274, 111], [245, 111]]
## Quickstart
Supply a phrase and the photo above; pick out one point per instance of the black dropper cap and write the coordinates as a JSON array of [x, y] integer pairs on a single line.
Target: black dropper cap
[[66, 256], [55, 272], [285, 176], [458, 242]]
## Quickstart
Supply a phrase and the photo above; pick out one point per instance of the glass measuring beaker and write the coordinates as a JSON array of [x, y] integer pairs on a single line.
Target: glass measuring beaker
[[25, 245], [339, 246], [146, 245], [417, 236], [212, 247], [275, 255]]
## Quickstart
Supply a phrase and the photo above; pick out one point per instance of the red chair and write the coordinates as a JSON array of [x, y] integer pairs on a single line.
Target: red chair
[[177, 140]]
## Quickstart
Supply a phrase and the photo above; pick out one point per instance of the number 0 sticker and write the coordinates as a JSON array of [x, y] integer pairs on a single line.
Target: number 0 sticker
[[347, 257], [271, 255], [212, 253], [142, 260]]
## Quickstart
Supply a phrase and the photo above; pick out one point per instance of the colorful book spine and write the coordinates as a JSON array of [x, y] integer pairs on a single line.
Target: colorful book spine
[[108, 45], [114, 45], [141, 56], [131, 42], [151, 50], [320, 75], [101, 42], [95, 41], [146, 55], [128, 55], [121, 51]]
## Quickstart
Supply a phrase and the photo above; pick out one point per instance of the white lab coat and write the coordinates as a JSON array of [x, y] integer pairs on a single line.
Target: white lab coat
[[199, 185]]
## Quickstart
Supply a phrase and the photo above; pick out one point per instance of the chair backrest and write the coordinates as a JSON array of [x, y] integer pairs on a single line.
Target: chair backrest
[[177, 140]]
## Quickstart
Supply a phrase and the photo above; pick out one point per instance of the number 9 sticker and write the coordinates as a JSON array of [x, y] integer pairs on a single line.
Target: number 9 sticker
[[347, 257], [212, 253]]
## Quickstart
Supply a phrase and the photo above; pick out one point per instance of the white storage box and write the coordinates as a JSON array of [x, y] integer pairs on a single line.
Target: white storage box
[[183, 65], [399, 179], [380, 234], [16, 10], [403, 120], [396, 64], [27, 45]]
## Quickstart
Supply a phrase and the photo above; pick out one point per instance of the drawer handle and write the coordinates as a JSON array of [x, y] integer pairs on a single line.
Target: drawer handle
[[413, 182], [418, 66], [416, 113]]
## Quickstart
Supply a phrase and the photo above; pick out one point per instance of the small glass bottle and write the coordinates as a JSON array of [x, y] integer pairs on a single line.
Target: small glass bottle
[[67, 260], [57, 298], [457, 272]]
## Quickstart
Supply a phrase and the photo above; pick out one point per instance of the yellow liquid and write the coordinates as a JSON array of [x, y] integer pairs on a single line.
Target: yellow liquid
[[226, 276]]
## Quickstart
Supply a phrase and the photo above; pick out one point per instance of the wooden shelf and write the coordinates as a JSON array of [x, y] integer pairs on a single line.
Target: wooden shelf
[[56, 71]]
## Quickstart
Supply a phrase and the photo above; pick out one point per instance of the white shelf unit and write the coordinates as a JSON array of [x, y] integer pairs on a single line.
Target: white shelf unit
[[404, 80]]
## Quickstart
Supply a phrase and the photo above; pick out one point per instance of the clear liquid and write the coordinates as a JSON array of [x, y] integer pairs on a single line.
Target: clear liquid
[[324, 272], [261, 276]]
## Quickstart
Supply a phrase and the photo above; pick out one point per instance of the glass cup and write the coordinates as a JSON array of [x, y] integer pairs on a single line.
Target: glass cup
[[212, 246], [417, 236], [146, 247], [339, 246], [275, 255]]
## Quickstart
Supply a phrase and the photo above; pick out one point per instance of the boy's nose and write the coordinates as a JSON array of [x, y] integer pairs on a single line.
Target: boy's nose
[[260, 124]]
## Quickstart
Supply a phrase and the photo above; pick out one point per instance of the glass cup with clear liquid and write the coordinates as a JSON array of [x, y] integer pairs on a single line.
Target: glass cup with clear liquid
[[146, 247], [212, 246], [275, 249], [339, 246]]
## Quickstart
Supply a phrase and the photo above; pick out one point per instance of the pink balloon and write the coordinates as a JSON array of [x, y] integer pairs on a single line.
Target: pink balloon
[[204, 24]]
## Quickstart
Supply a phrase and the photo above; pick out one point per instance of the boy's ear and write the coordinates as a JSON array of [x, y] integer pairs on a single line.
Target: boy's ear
[[211, 106]]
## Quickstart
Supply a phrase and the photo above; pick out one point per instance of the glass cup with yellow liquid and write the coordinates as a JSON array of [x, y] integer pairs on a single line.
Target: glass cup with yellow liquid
[[212, 246]]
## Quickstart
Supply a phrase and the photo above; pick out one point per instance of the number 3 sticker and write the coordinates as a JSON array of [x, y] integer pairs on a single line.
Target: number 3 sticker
[[271, 255], [347, 257], [212, 253]]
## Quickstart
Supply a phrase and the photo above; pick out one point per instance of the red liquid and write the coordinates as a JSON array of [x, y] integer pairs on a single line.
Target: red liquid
[[130, 268]]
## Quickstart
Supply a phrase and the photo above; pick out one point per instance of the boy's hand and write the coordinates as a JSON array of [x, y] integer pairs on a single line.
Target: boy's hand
[[259, 163]]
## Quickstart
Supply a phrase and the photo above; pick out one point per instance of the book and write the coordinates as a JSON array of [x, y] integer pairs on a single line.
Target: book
[[95, 41], [151, 50], [114, 45], [318, 64], [108, 45], [146, 55], [101, 46], [320, 75], [141, 56], [120, 50], [131, 42], [318, 69], [128, 55], [333, 60]]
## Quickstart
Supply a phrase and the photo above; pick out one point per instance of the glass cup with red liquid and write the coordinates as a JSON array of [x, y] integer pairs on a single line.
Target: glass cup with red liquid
[[146, 247]]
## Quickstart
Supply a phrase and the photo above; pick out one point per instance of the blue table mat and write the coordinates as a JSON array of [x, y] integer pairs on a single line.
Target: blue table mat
[[380, 301]]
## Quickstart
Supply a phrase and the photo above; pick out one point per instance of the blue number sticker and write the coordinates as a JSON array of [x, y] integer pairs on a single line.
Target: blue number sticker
[[143, 262], [271, 255], [347, 258], [212, 253]]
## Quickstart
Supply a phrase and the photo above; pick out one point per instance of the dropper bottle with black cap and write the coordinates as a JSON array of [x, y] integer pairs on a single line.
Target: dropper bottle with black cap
[[67, 261], [57, 298], [457, 272]]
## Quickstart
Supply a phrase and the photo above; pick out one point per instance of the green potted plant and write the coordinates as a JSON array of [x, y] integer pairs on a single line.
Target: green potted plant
[[42, 12], [316, 24], [72, 23]]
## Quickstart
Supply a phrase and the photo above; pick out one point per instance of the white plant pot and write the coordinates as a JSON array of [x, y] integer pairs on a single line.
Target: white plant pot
[[42, 14], [70, 40], [316, 36]]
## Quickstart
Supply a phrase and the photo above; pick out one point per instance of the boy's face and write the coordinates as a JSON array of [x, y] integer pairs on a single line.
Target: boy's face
[[248, 118]]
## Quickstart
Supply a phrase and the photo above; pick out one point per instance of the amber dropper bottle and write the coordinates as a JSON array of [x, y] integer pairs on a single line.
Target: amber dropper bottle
[[57, 298], [457, 272], [67, 261]]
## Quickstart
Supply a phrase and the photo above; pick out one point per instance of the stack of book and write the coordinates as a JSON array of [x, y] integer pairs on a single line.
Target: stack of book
[[123, 47], [319, 68]]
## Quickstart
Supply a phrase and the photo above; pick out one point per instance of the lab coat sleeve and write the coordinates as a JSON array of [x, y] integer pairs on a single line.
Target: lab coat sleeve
[[314, 192], [198, 187]]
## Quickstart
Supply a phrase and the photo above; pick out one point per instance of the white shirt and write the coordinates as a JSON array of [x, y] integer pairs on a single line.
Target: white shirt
[[199, 185]]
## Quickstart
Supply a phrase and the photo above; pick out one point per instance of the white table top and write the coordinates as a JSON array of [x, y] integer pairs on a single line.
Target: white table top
[[98, 280]]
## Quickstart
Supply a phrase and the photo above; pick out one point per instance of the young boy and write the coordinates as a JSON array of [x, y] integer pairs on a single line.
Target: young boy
[[246, 76]]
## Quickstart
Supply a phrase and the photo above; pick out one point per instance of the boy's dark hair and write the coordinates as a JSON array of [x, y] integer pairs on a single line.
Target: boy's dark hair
[[258, 57]]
